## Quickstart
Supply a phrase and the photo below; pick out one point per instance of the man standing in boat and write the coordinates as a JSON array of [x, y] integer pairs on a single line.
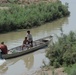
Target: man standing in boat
[[30, 39], [3, 48]]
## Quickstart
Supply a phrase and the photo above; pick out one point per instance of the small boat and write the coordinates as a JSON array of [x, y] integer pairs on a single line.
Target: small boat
[[37, 44]]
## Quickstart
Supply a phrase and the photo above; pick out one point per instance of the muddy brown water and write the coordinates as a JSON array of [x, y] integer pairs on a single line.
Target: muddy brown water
[[30, 63]]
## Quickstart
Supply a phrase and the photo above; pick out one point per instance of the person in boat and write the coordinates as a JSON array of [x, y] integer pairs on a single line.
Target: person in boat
[[1, 54], [3, 48], [25, 43], [30, 39]]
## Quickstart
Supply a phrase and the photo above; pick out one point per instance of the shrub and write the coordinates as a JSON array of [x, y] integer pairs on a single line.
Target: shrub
[[71, 70], [28, 16], [63, 51]]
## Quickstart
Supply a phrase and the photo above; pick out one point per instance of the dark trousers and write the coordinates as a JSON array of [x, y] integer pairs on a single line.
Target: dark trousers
[[1, 56], [31, 42]]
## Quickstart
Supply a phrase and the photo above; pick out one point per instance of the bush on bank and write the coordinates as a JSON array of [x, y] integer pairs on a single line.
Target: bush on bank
[[71, 70], [28, 16], [63, 52]]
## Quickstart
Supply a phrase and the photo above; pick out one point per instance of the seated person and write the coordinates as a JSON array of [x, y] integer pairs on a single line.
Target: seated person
[[25, 43], [3, 48]]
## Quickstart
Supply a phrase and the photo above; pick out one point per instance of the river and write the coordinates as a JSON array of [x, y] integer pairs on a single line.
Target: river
[[29, 64]]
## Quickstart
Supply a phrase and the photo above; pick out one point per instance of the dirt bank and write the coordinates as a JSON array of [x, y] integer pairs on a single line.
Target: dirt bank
[[58, 71]]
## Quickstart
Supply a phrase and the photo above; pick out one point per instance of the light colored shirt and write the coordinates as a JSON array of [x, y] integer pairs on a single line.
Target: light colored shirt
[[29, 37]]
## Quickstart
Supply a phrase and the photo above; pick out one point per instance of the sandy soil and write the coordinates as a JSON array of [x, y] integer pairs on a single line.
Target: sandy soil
[[58, 71]]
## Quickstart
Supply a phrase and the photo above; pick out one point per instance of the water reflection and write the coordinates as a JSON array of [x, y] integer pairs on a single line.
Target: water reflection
[[19, 64], [3, 69], [29, 61], [23, 65], [71, 26]]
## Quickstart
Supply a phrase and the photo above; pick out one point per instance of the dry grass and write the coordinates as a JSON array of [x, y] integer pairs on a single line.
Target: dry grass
[[25, 1], [28, 1]]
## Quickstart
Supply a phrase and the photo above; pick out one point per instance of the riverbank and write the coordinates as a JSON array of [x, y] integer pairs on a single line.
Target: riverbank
[[62, 53], [50, 71]]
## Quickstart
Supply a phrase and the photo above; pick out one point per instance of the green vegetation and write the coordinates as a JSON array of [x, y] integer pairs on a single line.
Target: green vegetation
[[33, 15], [12, 1], [71, 70], [63, 52]]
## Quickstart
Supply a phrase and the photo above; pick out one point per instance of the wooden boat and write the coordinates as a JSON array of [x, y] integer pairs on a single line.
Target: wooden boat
[[37, 44]]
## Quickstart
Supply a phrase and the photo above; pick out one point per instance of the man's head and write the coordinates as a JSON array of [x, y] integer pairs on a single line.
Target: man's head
[[2, 42], [28, 32]]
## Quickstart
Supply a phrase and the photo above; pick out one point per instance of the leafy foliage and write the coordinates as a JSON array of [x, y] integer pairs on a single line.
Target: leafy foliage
[[63, 52], [28, 16], [71, 70]]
